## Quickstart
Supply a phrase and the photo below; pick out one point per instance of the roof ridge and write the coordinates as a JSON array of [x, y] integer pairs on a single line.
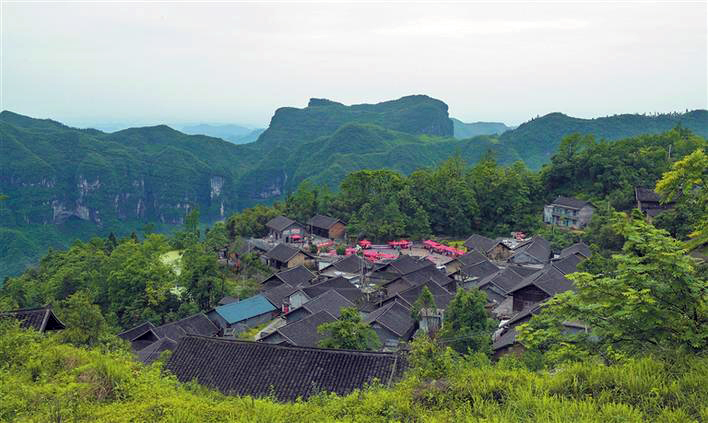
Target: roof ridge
[[287, 347]]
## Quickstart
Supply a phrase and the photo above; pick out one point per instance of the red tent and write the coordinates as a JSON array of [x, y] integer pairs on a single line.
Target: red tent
[[325, 244], [364, 243], [349, 251]]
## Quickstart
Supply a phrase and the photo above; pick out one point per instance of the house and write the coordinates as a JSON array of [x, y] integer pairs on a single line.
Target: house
[[339, 284], [476, 271], [301, 333], [287, 373], [536, 251], [580, 249], [544, 284], [147, 340], [331, 301], [41, 319], [419, 277], [392, 323], [350, 267], [402, 265], [283, 229], [296, 276], [506, 341], [493, 249], [649, 203], [567, 264], [327, 227], [568, 212], [470, 258], [283, 256], [237, 317], [279, 296]]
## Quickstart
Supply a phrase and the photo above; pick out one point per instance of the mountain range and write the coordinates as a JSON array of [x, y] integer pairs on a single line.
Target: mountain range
[[236, 134], [62, 183]]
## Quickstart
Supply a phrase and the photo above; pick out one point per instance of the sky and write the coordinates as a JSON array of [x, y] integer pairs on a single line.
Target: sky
[[146, 63]]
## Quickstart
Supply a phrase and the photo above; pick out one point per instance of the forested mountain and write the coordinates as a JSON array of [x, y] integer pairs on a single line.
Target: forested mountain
[[64, 183], [236, 134], [469, 130], [539, 138]]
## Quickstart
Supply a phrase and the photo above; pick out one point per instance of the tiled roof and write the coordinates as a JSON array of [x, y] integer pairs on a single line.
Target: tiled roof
[[133, 333], [40, 318], [646, 195], [303, 333], [279, 223], [260, 369], [441, 295], [340, 284], [523, 271], [277, 294], [331, 301], [472, 257], [577, 248], [245, 309], [479, 270], [549, 279], [296, 276], [480, 243], [537, 248], [567, 264], [505, 279], [323, 222], [406, 264], [152, 352], [349, 264], [508, 338], [570, 202], [394, 317], [197, 324], [282, 253]]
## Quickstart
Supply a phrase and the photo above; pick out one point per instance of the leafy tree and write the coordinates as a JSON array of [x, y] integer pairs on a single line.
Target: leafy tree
[[687, 184], [653, 300], [84, 322], [191, 221], [467, 326], [251, 222], [349, 332], [425, 301], [202, 276]]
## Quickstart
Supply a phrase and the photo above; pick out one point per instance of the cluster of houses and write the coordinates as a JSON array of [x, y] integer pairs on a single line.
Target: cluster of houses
[[307, 290]]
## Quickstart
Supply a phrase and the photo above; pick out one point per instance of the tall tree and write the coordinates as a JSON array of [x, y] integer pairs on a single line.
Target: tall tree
[[467, 326], [349, 332]]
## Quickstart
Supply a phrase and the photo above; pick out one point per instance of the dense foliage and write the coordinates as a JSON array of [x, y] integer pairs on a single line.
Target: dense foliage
[[348, 332], [43, 380]]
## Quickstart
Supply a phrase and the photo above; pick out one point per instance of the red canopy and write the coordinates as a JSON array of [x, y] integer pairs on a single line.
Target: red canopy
[[295, 236], [349, 251], [326, 244], [365, 243]]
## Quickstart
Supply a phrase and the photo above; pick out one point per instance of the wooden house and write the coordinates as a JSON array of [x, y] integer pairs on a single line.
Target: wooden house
[[41, 319], [283, 229], [649, 203], [283, 256], [327, 227], [494, 249]]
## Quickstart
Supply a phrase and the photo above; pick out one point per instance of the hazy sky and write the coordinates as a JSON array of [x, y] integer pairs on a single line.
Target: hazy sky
[[149, 63]]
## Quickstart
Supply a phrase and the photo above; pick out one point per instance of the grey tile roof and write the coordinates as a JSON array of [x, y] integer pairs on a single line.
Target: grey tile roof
[[480, 243], [472, 257], [323, 222], [135, 332], [570, 202], [297, 276], [39, 318], [568, 264], [349, 264], [406, 264], [577, 248], [549, 279], [331, 301], [303, 333], [646, 195], [394, 317], [505, 279], [441, 295], [479, 270], [279, 223], [282, 253], [537, 247], [277, 294], [197, 324], [260, 369], [152, 352], [340, 284]]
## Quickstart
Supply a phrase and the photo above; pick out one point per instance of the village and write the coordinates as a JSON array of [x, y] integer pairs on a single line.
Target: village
[[249, 346]]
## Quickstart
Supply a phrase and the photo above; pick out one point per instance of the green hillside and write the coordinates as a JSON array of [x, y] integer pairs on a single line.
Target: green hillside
[[64, 183], [539, 138], [468, 130]]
